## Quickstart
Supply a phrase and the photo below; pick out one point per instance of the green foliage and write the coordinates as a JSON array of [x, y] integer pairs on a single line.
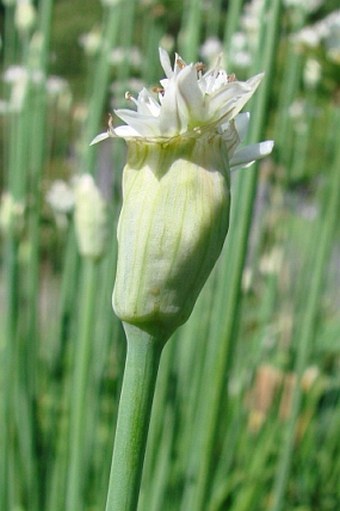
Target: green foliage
[[246, 414]]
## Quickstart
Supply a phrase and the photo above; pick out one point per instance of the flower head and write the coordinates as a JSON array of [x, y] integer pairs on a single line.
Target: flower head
[[182, 141], [191, 103]]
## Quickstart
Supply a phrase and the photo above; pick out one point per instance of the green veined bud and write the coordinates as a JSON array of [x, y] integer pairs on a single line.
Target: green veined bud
[[171, 230]]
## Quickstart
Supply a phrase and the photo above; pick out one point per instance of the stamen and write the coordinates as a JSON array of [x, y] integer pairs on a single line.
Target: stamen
[[180, 63], [110, 125], [158, 90]]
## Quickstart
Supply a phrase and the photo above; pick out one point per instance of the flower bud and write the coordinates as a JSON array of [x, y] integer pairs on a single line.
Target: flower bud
[[25, 16], [11, 214], [90, 217], [171, 229], [182, 146]]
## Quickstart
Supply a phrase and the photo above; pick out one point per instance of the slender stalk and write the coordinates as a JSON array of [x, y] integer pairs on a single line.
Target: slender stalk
[[232, 21], [7, 369], [81, 372], [192, 23], [142, 362]]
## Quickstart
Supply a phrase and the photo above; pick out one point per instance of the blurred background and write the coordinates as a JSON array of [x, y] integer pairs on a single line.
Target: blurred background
[[246, 415]]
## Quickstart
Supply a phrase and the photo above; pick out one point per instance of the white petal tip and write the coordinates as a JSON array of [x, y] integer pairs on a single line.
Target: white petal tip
[[266, 147], [100, 138]]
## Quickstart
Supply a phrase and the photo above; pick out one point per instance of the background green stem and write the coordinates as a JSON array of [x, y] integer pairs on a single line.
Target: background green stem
[[142, 362], [80, 385]]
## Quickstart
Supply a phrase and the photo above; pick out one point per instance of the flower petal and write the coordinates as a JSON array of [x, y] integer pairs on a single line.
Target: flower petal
[[165, 62], [242, 124], [174, 115], [248, 154], [191, 93], [126, 132], [100, 138], [145, 125], [146, 104], [227, 102], [231, 137]]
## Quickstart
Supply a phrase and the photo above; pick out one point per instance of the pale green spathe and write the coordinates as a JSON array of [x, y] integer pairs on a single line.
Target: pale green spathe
[[173, 223]]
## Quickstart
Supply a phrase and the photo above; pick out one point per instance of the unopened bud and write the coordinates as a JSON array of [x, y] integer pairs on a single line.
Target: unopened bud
[[24, 17], [171, 230], [90, 217]]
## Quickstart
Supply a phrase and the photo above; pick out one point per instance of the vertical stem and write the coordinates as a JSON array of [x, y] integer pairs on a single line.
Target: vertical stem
[[81, 373], [142, 362], [7, 370]]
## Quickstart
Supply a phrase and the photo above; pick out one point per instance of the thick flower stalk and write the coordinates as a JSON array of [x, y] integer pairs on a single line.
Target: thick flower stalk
[[183, 141]]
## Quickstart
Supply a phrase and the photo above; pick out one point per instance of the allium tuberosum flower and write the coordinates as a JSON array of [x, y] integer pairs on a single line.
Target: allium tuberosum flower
[[183, 140]]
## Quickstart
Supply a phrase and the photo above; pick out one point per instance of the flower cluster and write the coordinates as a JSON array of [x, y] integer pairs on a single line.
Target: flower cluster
[[183, 141], [191, 103]]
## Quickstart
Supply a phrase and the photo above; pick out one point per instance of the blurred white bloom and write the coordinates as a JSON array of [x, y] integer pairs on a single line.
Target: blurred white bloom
[[167, 42], [245, 42], [211, 49], [312, 73], [133, 84], [60, 197], [309, 377], [90, 217], [239, 54], [307, 36], [251, 16], [191, 104], [15, 73], [91, 42], [270, 263], [247, 279], [307, 5], [19, 77], [56, 85], [110, 3], [25, 16], [332, 36], [325, 32], [131, 55], [11, 213], [297, 109]]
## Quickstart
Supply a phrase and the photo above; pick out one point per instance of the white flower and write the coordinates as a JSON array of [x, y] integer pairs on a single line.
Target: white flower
[[91, 42], [211, 48], [312, 73], [56, 85], [176, 190], [60, 197], [191, 104], [131, 55], [25, 16]]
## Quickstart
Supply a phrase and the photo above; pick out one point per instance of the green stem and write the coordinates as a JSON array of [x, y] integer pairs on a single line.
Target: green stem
[[80, 383], [142, 362]]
